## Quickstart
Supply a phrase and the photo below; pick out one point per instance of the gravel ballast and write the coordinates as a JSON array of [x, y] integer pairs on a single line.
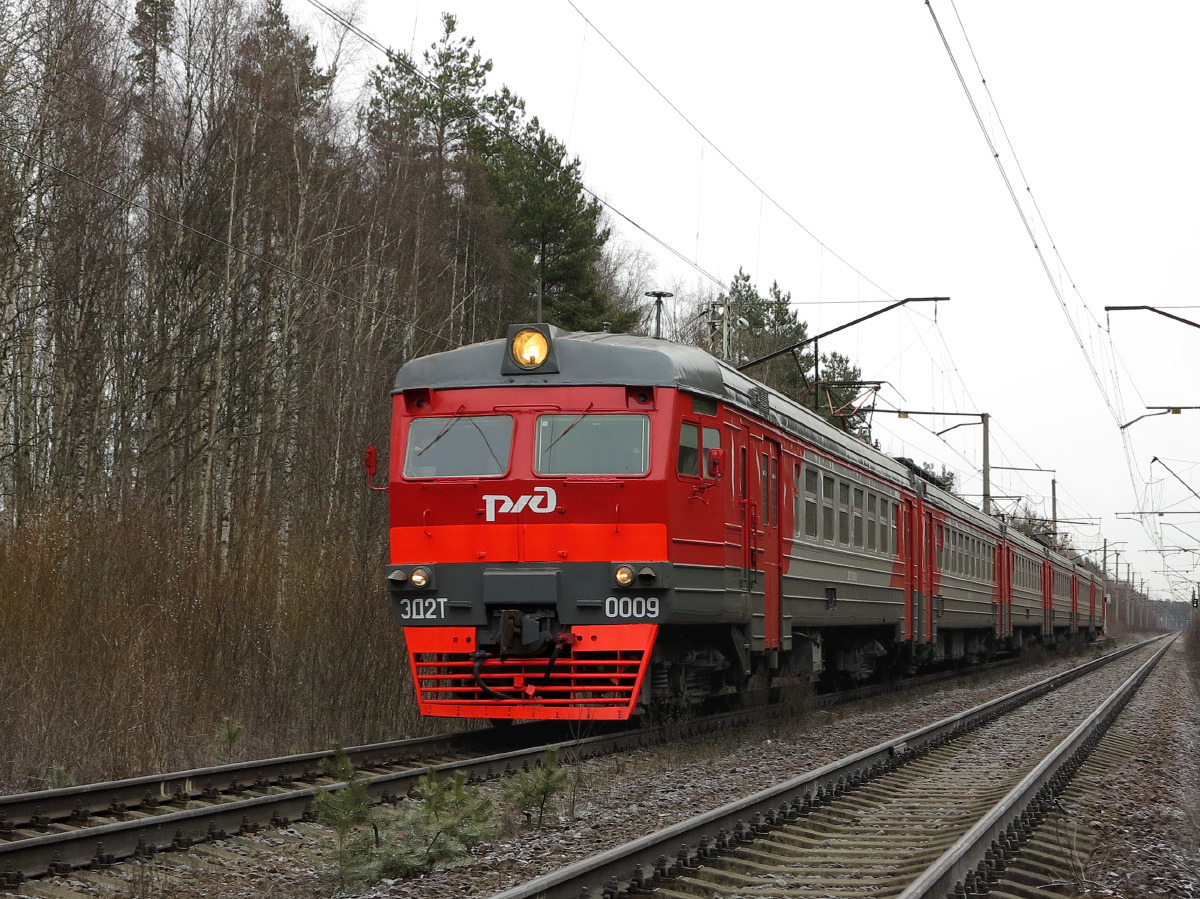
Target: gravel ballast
[[1148, 824]]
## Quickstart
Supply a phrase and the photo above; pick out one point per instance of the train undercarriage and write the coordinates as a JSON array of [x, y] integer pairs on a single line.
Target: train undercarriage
[[526, 660]]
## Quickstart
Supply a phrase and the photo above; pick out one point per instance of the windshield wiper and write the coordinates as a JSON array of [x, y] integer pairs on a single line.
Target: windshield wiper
[[450, 422], [567, 429], [487, 443]]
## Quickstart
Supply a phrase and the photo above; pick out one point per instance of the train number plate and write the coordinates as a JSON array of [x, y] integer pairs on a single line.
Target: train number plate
[[631, 607], [423, 608]]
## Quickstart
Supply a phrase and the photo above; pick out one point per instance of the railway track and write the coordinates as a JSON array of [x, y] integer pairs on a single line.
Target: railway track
[[99, 825], [948, 810]]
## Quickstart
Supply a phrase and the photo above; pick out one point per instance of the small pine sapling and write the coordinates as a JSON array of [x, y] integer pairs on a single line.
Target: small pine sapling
[[226, 737], [536, 790], [344, 810], [437, 831]]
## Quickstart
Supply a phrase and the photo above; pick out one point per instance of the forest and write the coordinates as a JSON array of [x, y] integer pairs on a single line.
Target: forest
[[217, 247]]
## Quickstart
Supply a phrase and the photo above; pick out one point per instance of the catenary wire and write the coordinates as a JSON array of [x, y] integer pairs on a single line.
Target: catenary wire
[[1113, 400]]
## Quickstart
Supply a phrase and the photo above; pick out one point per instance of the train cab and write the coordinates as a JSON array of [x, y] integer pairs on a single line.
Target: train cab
[[529, 484]]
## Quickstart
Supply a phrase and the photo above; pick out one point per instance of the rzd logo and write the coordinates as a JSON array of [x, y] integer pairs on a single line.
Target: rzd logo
[[543, 499]]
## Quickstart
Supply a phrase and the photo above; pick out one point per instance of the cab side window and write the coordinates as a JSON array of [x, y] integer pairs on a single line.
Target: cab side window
[[694, 443], [689, 450], [712, 440]]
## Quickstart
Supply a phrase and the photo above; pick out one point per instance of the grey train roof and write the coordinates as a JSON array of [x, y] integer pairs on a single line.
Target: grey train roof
[[584, 358], [602, 358]]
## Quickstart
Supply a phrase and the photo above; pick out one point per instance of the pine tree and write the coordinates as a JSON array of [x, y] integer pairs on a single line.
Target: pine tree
[[761, 325], [512, 218], [556, 233]]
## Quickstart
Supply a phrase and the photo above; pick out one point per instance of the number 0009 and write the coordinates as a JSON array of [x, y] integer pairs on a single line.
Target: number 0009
[[631, 607]]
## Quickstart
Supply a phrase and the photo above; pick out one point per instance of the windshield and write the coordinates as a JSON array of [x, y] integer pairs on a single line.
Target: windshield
[[593, 444], [460, 447]]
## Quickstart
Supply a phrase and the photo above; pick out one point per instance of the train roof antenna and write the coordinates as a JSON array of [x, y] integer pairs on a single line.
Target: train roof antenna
[[658, 303]]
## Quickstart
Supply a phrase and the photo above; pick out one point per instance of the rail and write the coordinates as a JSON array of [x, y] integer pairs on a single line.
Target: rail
[[689, 845]]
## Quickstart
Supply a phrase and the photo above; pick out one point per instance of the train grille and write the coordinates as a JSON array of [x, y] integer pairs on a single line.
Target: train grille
[[587, 684]]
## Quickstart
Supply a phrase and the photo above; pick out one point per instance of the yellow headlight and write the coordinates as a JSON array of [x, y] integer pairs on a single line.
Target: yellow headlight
[[529, 348], [624, 575], [419, 577]]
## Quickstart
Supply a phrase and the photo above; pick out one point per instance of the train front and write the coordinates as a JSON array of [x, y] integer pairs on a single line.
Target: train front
[[528, 546]]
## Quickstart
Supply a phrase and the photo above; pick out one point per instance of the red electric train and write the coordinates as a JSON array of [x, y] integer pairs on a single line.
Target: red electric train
[[588, 525]]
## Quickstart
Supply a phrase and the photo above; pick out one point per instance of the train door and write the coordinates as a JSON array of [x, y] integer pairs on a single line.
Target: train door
[[928, 558], [749, 519], [1047, 601], [907, 525], [770, 544], [1004, 587], [920, 555]]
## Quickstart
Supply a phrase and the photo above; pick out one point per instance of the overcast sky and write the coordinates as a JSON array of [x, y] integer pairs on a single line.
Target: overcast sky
[[831, 147]]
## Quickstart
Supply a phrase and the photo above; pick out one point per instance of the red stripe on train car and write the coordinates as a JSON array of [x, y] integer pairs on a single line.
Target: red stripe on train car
[[644, 541]]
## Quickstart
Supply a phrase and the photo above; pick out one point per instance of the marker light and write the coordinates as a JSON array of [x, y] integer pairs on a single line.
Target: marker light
[[624, 575], [419, 577], [529, 348]]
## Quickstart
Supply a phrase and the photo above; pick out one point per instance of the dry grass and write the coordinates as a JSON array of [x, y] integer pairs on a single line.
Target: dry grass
[[1191, 648], [124, 646]]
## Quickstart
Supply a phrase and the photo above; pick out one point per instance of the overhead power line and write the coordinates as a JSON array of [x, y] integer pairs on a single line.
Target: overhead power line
[[1025, 221], [1112, 399], [737, 168]]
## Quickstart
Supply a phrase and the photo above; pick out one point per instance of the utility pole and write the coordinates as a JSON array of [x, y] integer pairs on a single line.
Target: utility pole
[[726, 349], [987, 467], [721, 322], [1131, 593], [1117, 604], [1053, 500], [984, 419], [1054, 505]]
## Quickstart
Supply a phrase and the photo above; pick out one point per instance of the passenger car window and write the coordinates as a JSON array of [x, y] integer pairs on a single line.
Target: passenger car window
[[859, 535], [689, 451], [827, 508], [843, 513], [810, 503], [888, 522]]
